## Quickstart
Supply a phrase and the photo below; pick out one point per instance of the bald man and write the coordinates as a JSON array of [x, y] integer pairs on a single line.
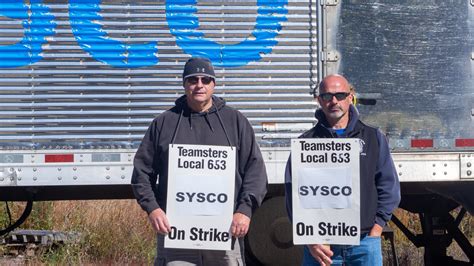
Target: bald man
[[379, 185]]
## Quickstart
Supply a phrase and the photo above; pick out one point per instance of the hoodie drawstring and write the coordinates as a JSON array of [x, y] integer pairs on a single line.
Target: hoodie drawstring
[[190, 121], [223, 127], [177, 126], [209, 123]]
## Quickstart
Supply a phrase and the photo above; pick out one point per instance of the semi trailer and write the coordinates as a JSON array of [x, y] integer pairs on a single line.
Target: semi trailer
[[80, 81]]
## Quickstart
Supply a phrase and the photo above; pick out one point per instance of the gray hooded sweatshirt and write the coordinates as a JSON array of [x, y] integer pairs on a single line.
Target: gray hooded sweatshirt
[[220, 125]]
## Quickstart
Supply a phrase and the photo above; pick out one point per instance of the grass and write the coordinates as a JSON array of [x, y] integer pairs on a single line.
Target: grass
[[118, 232], [112, 231]]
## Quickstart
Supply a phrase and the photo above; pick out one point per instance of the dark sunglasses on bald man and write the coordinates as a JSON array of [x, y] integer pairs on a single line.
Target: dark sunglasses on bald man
[[204, 80], [339, 96]]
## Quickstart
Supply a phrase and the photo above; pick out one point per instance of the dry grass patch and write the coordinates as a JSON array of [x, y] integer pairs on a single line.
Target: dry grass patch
[[112, 231], [118, 232]]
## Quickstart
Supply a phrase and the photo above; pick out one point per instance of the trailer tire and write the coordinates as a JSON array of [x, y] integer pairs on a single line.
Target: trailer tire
[[270, 239]]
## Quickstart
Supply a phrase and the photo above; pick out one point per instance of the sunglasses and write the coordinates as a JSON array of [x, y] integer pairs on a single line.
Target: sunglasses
[[339, 96], [204, 80]]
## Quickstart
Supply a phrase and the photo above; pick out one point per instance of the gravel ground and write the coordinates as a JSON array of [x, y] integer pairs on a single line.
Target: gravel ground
[[12, 261]]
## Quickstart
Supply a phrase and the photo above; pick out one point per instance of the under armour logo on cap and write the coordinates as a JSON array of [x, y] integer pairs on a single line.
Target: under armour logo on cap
[[198, 66]]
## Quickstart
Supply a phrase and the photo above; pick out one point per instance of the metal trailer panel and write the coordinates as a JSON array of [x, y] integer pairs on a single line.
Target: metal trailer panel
[[88, 103], [105, 174], [114, 167], [413, 60], [93, 74], [416, 57]]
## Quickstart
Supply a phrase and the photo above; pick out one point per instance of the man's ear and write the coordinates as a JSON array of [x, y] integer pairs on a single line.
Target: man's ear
[[354, 99], [318, 99]]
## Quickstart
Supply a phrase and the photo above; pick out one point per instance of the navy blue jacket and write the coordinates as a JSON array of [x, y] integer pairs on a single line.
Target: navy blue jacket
[[379, 185]]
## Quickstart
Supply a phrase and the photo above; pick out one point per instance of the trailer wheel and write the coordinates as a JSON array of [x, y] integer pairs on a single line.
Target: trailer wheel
[[270, 240]]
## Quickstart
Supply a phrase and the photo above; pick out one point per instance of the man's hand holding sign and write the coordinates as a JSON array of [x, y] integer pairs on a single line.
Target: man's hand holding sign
[[240, 225], [322, 253], [159, 221]]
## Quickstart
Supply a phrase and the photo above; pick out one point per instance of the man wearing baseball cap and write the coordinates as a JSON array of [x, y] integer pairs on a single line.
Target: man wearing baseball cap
[[201, 118]]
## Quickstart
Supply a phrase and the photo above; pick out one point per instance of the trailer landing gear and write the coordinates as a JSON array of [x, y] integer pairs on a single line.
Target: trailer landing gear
[[439, 228]]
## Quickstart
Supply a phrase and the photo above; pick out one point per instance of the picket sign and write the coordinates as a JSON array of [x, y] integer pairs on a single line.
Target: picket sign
[[326, 191], [200, 200]]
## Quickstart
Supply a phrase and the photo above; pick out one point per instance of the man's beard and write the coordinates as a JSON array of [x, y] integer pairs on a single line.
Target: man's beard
[[335, 115]]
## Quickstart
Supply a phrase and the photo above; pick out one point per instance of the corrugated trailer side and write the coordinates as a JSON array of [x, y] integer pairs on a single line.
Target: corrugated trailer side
[[81, 81]]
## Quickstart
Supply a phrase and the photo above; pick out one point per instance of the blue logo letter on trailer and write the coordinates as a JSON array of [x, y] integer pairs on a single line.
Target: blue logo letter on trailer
[[94, 40], [37, 24], [184, 24]]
